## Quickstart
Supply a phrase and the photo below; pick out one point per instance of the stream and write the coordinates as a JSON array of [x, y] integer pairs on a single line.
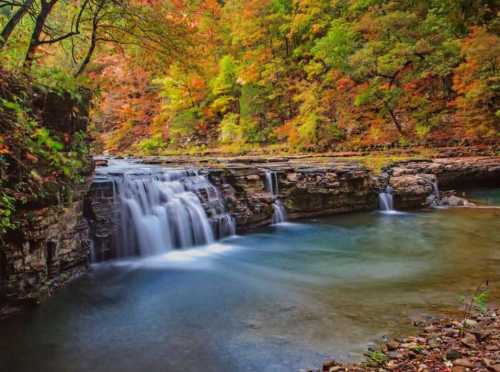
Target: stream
[[282, 298]]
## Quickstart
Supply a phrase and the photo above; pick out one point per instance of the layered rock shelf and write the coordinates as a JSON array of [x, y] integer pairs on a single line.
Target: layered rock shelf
[[312, 187], [305, 190], [414, 181]]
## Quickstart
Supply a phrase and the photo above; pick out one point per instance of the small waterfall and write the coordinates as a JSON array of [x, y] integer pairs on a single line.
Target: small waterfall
[[435, 193], [271, 186], [279, 215], [385, 200], [271, 183], [435, 189], [163, 209]]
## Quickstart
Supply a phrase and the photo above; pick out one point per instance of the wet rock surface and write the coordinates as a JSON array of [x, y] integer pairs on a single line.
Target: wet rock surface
[[411, 191], [455, 201]]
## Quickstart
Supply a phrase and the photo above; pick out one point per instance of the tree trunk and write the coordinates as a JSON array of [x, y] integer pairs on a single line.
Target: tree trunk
[[45, 9], [395, 121], [93, 40], [13, 22], [86, 60]]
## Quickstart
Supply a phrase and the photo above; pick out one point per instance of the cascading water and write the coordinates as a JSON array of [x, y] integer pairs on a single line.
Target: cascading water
[[435, 194], [279, 215], [162, 209], [271, 185], [385, 200]]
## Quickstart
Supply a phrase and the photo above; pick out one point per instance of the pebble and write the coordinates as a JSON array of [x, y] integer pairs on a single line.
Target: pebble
[[470, 323], [453, 354], [433, 343], [463, 363], [469, 340], [329, 364], [392, 345], [409, 345]]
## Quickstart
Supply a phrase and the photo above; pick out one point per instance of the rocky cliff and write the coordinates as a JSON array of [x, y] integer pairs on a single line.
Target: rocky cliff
[[49, 247], [45, 172]]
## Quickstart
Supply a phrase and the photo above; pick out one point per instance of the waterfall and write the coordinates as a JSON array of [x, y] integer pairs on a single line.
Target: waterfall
[[162, 209], [271, 186], [271, 182], [435, 194], [279, 215], [385, 200], [435, 189]]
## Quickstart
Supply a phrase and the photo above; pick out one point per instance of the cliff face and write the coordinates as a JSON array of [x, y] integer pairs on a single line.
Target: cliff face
[[46, 243]]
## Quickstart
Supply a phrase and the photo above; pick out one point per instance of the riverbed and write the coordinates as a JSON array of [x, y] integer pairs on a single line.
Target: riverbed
[[282, 298]]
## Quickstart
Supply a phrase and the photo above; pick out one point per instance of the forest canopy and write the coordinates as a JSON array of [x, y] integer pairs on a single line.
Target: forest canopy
[[178, 75]]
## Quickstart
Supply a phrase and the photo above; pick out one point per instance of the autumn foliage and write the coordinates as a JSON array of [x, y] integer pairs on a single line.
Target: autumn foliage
[[306, 74]]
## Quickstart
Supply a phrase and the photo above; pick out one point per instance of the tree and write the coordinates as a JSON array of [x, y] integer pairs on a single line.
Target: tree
[[46, 7], [477, 83], [9, 27]]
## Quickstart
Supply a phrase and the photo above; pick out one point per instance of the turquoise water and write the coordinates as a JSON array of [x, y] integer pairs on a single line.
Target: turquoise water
[[485, 196], [281, 299]]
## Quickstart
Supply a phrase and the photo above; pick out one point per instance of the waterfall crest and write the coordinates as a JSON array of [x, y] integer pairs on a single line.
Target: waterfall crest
[[161, 209]]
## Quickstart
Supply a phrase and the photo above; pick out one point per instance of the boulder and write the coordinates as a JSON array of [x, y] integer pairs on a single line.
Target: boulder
[[455, 201], [412, 191]]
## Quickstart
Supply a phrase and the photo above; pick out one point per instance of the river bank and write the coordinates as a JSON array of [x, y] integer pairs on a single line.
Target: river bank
[[444, 344]]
